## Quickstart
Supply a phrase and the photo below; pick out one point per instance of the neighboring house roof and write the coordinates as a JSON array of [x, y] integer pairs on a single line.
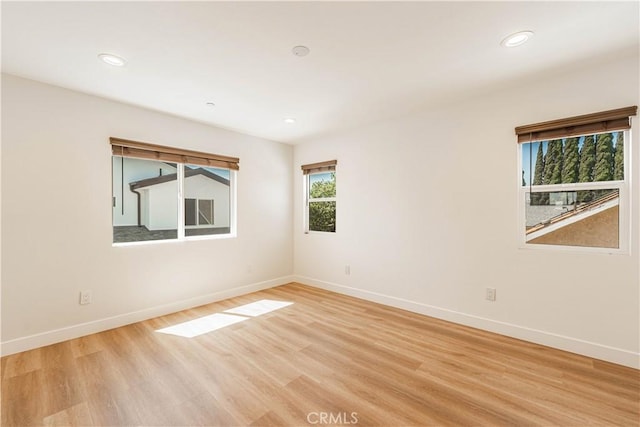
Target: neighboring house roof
[[580, 212], [172, 177]]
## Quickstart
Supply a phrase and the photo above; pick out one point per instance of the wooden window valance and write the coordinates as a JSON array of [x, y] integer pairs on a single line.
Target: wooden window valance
[[605, 121], [328, 166], [144, 150]]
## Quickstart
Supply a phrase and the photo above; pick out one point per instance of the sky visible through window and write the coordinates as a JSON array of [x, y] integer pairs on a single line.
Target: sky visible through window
[[316, 177], [530, 151]]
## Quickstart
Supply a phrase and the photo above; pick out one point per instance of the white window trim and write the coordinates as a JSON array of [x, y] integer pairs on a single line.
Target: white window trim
[[624, 207], [181, 227], [305, 188]]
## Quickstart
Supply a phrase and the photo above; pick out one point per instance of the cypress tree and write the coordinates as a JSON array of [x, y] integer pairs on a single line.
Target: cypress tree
[[538, 178], [618, 158], [553, 163], [603, 170], [538, 175], [587, 160], [571, 160], [587, 163]]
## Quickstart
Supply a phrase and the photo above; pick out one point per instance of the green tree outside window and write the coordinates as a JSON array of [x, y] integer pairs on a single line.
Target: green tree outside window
[[322, 214]]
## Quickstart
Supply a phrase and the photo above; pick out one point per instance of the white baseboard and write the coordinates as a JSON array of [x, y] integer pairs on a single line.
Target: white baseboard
[[573, 345], [58, 335]]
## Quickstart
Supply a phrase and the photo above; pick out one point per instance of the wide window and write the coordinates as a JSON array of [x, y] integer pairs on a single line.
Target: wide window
[[163, 193], [574, 187], [320, 196]]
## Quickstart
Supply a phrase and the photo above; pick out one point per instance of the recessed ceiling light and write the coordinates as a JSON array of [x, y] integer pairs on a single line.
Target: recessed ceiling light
[[300, 50], [110, 59], [289, 120], [516, 39]]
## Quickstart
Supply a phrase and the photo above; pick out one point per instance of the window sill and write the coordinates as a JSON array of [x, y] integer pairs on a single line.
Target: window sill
[[573, 249], [186, 239]]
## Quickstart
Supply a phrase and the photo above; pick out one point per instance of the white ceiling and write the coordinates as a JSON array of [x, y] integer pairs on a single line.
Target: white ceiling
[[368, 60]]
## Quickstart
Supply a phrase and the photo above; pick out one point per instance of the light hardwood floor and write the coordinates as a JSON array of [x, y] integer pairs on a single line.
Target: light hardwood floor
[[357, 362]]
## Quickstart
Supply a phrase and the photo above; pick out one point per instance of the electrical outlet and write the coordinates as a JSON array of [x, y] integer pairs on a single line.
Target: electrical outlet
[[85, 297], [347, 269], [491, 294]]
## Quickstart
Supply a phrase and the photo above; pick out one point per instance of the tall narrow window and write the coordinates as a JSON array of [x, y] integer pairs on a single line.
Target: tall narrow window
[[574, 182], [164, 193], [320, 196]]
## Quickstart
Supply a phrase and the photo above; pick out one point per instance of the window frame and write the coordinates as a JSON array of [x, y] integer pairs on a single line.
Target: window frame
[[218, 162], [308, 200], [624, 205]]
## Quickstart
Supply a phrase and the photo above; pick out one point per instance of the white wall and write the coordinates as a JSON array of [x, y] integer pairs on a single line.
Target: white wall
[[448, 179], [56, 152]]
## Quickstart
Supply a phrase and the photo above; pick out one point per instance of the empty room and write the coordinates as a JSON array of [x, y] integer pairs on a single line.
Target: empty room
[[320, 213]]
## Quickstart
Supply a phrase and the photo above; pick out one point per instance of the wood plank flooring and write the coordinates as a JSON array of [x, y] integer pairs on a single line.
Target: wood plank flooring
[[325, 359]]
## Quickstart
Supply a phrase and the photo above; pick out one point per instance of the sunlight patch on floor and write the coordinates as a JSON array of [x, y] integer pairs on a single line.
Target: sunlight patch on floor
[[258, 308], [202, 325], [212, 322]]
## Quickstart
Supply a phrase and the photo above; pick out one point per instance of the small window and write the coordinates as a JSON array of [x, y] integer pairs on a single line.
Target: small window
[[572, 190], [207, 193], [165, 200], [320, 195], [574, 187], [202, 216]]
